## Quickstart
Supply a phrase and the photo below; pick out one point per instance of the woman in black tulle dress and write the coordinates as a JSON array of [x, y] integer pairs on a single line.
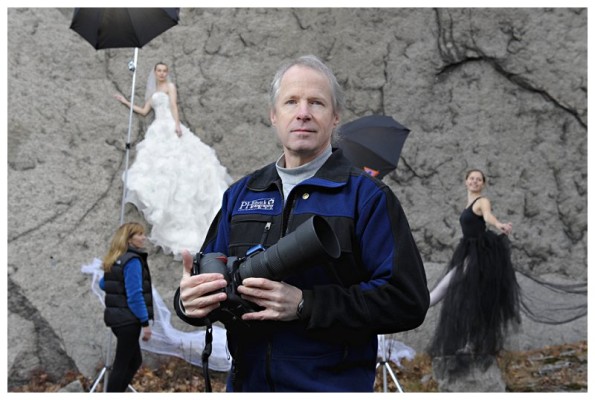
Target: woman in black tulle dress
[[480, 291]]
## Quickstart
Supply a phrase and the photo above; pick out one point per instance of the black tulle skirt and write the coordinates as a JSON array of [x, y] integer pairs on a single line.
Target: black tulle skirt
[[482, 300]]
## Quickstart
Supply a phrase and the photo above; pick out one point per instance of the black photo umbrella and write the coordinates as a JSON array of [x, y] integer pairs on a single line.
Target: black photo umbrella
[[108, 28], [373, 143]]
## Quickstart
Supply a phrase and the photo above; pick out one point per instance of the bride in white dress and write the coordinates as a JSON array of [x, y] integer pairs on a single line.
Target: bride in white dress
[[176, 180]]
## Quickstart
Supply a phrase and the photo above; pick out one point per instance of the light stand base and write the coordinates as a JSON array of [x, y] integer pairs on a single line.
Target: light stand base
[[386, 368], [102, 373], [107, 368]]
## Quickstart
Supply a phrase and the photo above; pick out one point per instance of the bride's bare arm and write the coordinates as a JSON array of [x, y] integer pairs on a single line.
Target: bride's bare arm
[[144, 110]]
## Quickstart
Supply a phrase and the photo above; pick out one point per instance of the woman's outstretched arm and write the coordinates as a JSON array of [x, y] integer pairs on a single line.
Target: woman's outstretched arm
[[137, 109], [485, 208]]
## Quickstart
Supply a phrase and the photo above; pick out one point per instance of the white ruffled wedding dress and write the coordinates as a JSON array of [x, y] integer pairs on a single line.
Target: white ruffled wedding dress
[[176, 182]]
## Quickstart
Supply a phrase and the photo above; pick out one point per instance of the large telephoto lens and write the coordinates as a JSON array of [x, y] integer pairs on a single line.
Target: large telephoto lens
[[313, 241]]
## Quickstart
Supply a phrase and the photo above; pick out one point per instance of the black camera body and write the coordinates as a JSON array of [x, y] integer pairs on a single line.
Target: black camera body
[[312, 242]]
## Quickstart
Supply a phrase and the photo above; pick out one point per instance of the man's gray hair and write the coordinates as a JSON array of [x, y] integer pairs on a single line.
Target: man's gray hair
[[310, 61]]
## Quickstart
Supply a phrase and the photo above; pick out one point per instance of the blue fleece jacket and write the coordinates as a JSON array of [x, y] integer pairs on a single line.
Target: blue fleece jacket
[[376, 286]]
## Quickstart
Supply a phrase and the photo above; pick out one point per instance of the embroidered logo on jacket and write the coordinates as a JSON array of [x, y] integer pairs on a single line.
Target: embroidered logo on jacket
[[257, 205]]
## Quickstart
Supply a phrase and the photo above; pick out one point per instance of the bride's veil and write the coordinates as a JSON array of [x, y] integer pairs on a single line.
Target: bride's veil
[[151, 84], [152, 81]]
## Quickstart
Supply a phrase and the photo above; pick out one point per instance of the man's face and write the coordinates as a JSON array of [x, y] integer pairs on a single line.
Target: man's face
[[303, 115]]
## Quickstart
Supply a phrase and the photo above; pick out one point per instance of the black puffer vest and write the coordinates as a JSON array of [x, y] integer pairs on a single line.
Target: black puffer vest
[[117, 313]]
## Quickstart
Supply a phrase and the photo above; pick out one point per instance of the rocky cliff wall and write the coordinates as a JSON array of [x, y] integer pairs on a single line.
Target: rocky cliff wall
[[504, 90]]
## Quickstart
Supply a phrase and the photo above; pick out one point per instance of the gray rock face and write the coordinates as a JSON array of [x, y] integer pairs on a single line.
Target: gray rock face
[[503, 90]]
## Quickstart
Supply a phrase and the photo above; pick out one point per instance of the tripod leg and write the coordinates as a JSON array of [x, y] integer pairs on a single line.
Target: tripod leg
[[103, 371], [393, 376], [386, 368], [106, 367]]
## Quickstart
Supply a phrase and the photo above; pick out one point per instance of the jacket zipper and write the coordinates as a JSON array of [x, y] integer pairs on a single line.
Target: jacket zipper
[[285, 224], [288, 213], [265, 233]]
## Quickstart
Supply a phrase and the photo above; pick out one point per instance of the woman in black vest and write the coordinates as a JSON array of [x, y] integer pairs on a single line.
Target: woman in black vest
[[128, 301]]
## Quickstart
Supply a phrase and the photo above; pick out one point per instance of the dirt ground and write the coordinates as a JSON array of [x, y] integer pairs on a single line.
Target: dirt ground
[[560, 368]]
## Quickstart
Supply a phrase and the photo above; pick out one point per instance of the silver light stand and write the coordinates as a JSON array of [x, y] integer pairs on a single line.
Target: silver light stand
[[105, 371], [386, 368], [131, 67]]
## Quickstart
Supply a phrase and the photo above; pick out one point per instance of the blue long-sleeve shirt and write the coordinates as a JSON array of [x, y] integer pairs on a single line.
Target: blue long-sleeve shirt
[[133, 281]]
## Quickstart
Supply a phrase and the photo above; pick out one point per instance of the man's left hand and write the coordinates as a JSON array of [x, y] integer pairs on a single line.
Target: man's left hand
[[279, 299]]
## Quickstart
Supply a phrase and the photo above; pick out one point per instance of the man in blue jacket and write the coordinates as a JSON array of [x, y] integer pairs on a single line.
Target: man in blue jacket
[[317, 329]]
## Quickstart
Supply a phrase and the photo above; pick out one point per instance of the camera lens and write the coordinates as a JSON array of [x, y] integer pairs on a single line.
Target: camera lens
[[214, 263], [313, 241]]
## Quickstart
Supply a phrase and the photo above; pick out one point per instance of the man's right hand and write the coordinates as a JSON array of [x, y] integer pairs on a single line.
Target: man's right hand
[[200, 294]]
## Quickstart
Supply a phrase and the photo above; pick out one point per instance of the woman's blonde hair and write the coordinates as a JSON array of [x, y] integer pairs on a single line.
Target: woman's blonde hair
[[119, 243]]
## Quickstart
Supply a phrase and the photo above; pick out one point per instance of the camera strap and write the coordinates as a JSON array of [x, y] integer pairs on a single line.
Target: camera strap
[[206, 353]]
